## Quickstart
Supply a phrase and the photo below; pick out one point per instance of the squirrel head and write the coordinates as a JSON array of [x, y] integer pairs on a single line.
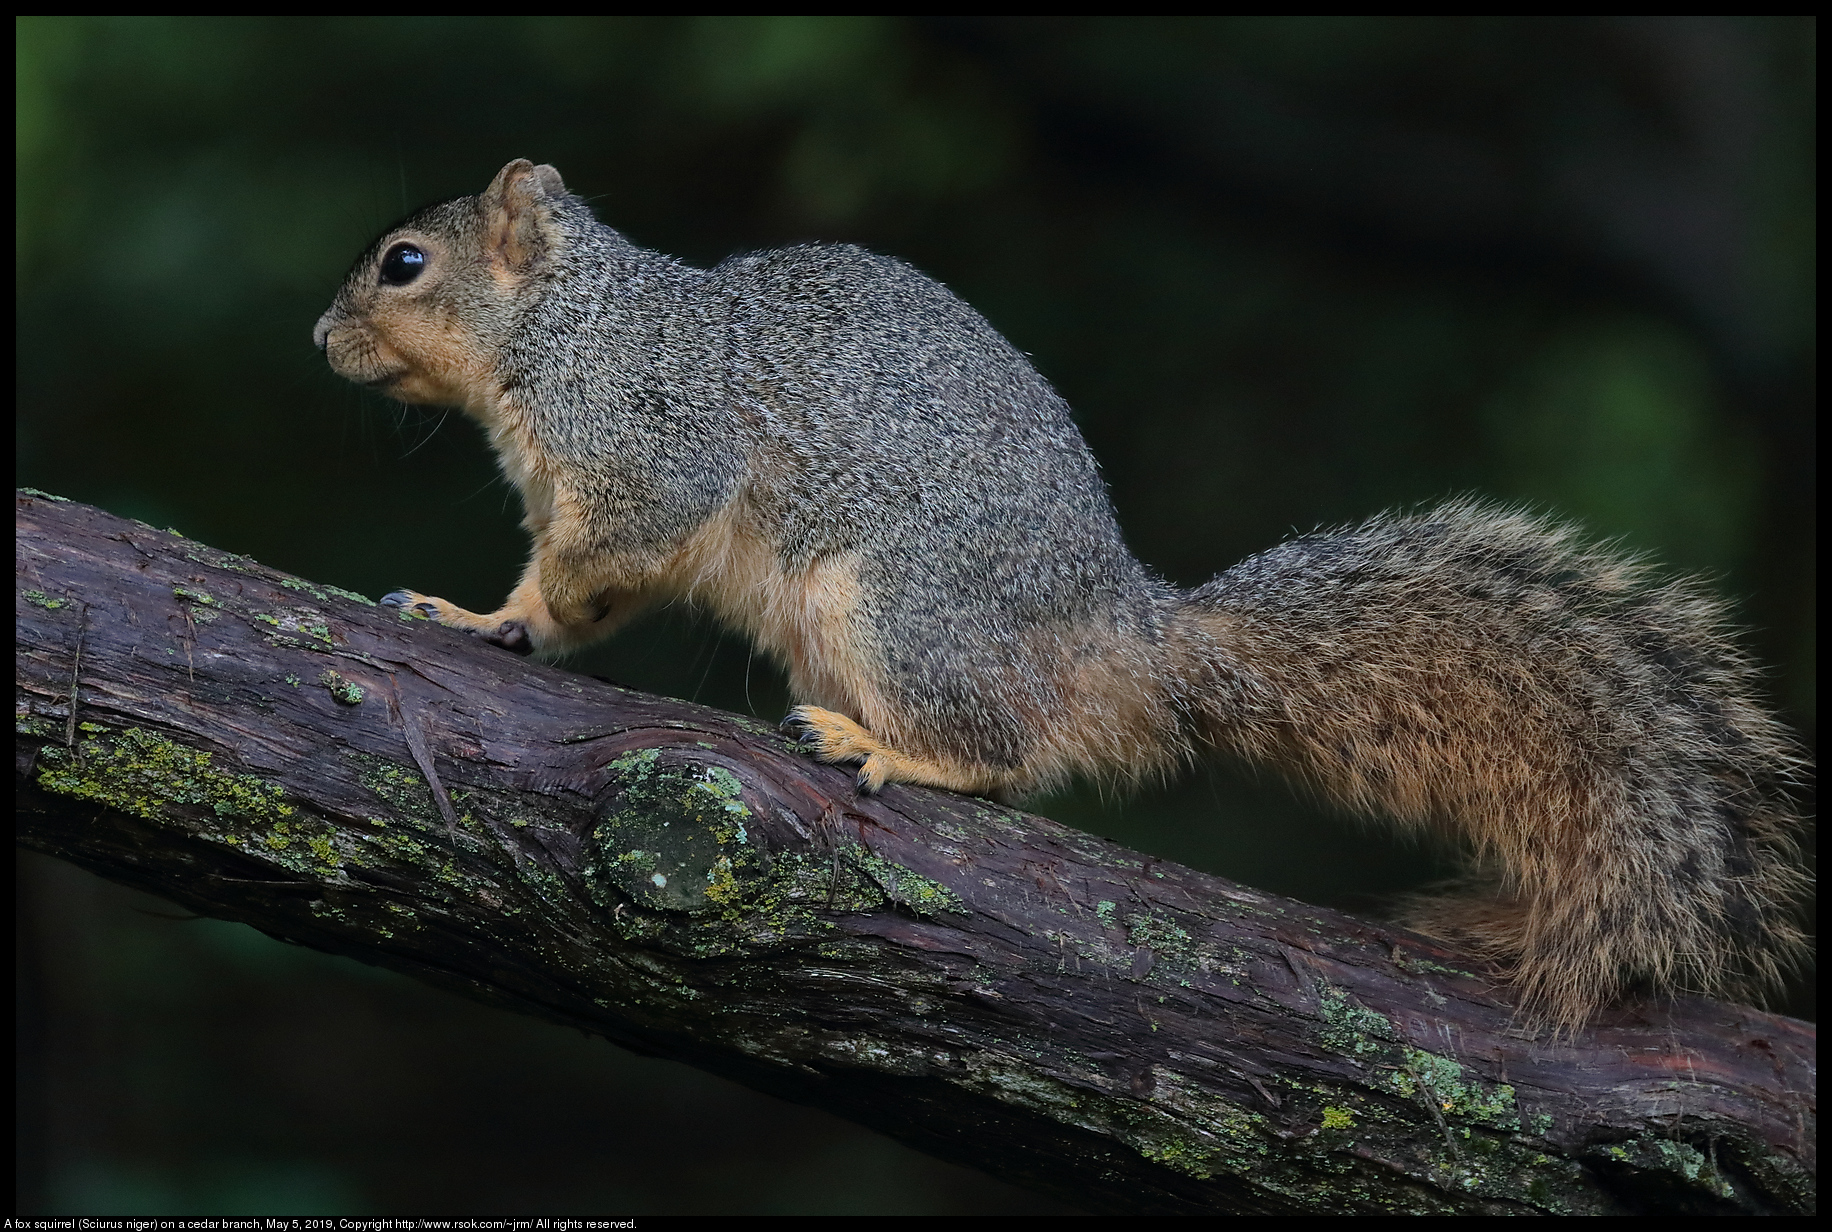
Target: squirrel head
[[425, 311]]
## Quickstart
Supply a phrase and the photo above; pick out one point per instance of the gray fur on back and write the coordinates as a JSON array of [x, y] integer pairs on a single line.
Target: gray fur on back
[[878, 415]]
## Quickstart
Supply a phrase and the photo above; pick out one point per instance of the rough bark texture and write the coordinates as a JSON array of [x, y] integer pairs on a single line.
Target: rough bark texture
[[985, 985]]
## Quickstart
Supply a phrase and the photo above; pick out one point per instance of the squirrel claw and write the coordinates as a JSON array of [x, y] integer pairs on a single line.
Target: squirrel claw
[[407, 599], [804, 731]]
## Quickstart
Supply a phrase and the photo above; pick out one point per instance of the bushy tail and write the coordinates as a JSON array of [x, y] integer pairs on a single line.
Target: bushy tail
[[1595, 735]]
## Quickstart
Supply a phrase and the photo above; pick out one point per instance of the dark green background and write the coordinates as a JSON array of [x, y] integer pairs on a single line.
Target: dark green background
[[1287, 272]]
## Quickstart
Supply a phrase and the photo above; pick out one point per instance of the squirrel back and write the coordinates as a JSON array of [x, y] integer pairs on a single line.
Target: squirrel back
[[839, 457]]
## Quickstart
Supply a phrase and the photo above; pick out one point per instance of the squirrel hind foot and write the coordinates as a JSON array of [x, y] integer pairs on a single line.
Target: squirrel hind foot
[[837, 740]]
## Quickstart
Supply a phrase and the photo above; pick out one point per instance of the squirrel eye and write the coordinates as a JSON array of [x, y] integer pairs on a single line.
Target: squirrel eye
[[402, 265]]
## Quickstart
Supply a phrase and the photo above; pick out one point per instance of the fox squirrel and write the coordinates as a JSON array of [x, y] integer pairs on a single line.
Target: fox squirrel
[[836, 455]]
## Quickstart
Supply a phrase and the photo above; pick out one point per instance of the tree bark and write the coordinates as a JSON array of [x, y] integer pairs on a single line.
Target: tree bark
[[985, 985]]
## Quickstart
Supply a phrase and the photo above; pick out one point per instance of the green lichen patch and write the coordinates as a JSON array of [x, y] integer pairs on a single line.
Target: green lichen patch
[[307, 623], [39, 598], [1411, 962], [1448, 1151], [908, 888], [677, 839], [1090, 949], [341, 690], [1199, 1133], [881, 1056], [1014, 1080], [1681, 1162], [1160, 934], [62, 500], [26, 723], [322, 848], [298, 626], [403, 847], [1464, 1132], [217, 559], [308, 847], [801, 886], [403, 789], [143, 773], [1174, 953], [321, 592], [193, 594], [671, 837], [1414, 1074], [1352, 1029], [1183, 1127], [1426, 1075], [1179, 1155]]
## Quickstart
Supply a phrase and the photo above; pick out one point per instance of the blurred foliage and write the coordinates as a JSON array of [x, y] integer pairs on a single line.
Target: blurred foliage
[[1288, 271]]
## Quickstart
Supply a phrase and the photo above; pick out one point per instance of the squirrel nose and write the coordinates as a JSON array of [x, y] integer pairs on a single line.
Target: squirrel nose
[[321, 333]]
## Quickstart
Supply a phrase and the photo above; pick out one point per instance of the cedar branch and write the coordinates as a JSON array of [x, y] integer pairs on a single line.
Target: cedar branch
[[985, 985]]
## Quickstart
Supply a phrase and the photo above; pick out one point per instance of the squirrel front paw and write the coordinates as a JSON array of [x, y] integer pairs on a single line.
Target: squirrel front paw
[[511, 635]]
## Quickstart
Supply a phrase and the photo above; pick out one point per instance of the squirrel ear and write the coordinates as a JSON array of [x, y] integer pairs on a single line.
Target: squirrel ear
[[514, 207]]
